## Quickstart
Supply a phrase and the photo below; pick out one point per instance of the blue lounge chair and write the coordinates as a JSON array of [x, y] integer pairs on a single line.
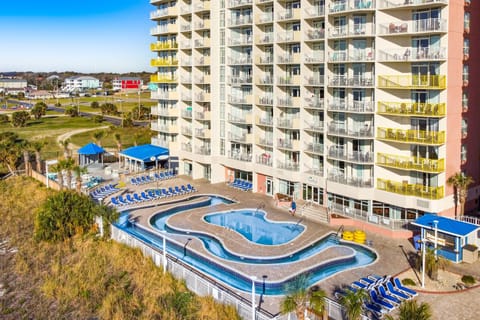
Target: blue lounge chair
[[184, 189], [368, 282], [157, 176], [248, 187], [171, 191], [391, 289], [137, 198], [178, 190], [406, 290], [144, 196], [359, 285], [133, 181], [161, 176], [379, 301], [191, 188], [232, 184], [115, 202], [144, 180], [152, 194], [388, 297], [158, 193], [166, 193], [139, 181], [122, 201], [168, 175], [130, 199], [374, 308]]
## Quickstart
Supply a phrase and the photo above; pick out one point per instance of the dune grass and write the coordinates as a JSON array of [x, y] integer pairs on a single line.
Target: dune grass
[[84, 277]]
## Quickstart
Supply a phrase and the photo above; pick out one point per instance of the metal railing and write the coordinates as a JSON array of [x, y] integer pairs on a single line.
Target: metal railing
[[410, 189]]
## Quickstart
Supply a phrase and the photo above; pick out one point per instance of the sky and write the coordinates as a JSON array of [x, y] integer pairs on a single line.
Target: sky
[[83, 35]]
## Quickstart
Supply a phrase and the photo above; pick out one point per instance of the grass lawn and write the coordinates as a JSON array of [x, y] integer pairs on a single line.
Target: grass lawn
[[128, 137]]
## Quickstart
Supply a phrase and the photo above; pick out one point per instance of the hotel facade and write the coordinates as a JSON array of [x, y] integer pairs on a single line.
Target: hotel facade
[[365, 107]]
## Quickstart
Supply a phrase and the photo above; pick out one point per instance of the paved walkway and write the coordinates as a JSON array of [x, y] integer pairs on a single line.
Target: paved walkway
[[392, 253]]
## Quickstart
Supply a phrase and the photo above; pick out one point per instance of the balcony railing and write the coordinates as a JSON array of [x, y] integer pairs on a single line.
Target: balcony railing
[[247, 59], [314, 147], [316, 57], [412, 109], [288, 36], [408, 82], [203, 133], [202, 115], [315, 11], [289, 14], [355, 81], [266, 59], [266, 79], [364, 29], [413, 54], [339, 177], [265, 141], [317, 80], [247, 19], [291, 123], [186, 147], [203, 150], [265, 100], [239, 99], [264, 159], [240, 40], [410, 189], [351, 106], [387, 4], [167, 45], [411, 163], [265, 121], [414, 26], [288, 144], [289, 58], [411, 136], [265, 17], [159, 62], [187, 131], [315, 125], [187, 114], [315, 34], [240, 80], [240, 156], [237, 3], [288, 165], [343, 129], [239, 118], [315, 103], [352, 156]]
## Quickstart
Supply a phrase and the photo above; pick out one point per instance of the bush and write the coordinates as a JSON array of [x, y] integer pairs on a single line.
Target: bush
[[3, 118], [71, 111], [408, 282], [98, 119], [468, 279]]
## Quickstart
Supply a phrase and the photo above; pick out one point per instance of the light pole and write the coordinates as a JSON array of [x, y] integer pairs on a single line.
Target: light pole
[[253, 278], [164, 251], [423, 261], [435, 223], [121, 111]]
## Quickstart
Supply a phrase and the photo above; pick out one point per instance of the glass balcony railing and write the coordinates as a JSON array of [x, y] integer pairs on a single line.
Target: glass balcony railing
[[240, 156], [351, 106], [408, 82], [411, 136], [159, 46], [264, 159], [162, 79], [314, 147], [159, 62], [392, 4], [288, 165], [426, 109], [413, 54], [340, 177], [411, 163], [314, 103], [410, 189], [414, 26]]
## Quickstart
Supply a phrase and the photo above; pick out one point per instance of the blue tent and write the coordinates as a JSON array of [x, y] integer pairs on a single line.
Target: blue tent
[[90, 153], [137, 156]]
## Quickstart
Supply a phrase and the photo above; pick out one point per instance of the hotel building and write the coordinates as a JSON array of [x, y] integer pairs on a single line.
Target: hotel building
[[365, 107]]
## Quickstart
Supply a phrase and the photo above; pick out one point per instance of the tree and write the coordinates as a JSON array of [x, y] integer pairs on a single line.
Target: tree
[[20, 118], [78, 171], [460, 183], [36, 147], [39, 110], [10, 150], [72, 111], [4, 118], [432, 263], [58, 168], [353, 302], [68, 165], [67, 213], [299, 297], [411, 310], [140, 113], [108, 108], [98, 136], [94, 105], [25, 148], [64, 144]]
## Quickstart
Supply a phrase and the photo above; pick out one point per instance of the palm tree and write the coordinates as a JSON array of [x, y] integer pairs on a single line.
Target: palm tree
[[68, 165], [411, 310], [353, 302], [78, 171], [98, 136], [58, 168], [300, 297], [432, 263], [37, 147], [118, 140], [64, 144], [25, 148], [460, 183]]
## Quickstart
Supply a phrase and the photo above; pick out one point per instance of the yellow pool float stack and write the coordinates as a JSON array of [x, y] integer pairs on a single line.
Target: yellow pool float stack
[[359, 236], [347, 235]]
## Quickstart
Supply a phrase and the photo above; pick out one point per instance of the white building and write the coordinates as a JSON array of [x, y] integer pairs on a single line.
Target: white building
[[13, 86], [80, 83]]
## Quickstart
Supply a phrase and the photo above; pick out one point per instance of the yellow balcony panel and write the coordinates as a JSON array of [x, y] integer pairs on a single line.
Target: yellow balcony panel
[[411, 136], [426, 82], [407, 109], [163, 62], [410, 189], [162, 46], [411, 163], [162, 79]]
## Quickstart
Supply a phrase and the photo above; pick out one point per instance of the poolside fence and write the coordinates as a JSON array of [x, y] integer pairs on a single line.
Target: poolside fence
[[204, 285]]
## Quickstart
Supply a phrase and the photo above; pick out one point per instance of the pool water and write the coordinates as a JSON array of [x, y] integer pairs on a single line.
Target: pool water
[[253, 225]]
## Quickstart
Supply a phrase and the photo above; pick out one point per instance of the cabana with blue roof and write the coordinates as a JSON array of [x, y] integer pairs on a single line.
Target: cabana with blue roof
[[452, 236], [90, 153], [138, 158]]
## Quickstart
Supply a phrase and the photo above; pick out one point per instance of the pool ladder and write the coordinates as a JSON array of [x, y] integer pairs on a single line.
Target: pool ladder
[[335, 237]]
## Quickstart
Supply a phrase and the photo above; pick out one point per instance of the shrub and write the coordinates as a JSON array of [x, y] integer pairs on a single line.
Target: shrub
[[408, 282], [468, 279], [98, 119], [3, 118]]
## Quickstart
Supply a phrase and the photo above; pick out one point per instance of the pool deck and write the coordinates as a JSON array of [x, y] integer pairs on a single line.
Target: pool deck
[[392, 253]]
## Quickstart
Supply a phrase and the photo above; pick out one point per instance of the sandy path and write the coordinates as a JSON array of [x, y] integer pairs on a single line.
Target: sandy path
[[67, 135]]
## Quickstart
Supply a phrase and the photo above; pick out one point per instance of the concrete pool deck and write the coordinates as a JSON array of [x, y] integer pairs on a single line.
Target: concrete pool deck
[[393, 253]]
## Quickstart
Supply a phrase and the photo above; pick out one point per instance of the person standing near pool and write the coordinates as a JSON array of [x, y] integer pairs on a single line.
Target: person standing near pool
[[293, 208]]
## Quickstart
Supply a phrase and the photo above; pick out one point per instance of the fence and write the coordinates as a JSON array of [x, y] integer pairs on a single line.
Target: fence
[[204, 285]]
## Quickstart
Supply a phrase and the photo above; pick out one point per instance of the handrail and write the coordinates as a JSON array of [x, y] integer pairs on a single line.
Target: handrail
[[342, 228]]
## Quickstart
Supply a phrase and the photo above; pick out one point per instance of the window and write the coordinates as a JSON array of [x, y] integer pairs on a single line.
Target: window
[[465, 73], [466, 46], [465, 100], [464, 127], [463, 153], [466, 21]]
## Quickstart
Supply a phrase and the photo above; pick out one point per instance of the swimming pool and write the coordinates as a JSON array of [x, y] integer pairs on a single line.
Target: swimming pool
[[254, 226], [360, 256]]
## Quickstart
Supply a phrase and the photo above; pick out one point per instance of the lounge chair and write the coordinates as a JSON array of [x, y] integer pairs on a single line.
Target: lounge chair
[[115, 202], [374, 308], [171, 191], [178, 190], [144, 179], [122, 201], [130, 199], [388, 297], [168, 175], [139, 181], [158, 193], [190, 187], [379, 301], [157, 176], [391, 289], [184, 189], [360, 285], [368, 282], [406, 290], [232, 184], [166, 193], [137, 198], [144, 196]]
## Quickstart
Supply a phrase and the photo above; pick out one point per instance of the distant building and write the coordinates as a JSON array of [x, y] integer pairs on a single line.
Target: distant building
[[80, 83], [127, 83], [39, 94], [12, 86]]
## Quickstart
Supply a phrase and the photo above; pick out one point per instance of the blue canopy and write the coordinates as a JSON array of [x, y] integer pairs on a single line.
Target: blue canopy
[[90, 149], [446, 225], [144, 152]]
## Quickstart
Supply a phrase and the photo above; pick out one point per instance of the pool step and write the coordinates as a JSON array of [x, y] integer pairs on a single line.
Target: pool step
[[315, 213]]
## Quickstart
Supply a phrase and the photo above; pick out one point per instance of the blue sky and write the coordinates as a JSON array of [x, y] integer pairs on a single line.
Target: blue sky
[[82, 35]]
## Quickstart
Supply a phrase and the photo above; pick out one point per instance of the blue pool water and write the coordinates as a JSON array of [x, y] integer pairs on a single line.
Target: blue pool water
[[253, 225], [363, 256]]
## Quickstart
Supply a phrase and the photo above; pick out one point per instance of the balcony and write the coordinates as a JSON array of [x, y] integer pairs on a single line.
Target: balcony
[[265, 79], [409, 189], [203, 133], [160, 142], [187, 131], [202, 6], [411, 163], [246, 99], [335, 152], [356, 30], [241, 137], [289, 36], [315, 11], [290, 14], [202, 61], [186, 96], [162, 46], [168, 128], [241, 20], [408, 82], [265, 18], [265, 121], [265, 59], [162, 79], [203, 150], [246, 59], [265, 100], [413, 54], [266, 38], [240, 80], [187, 114], [289, 58], [411, 136], [267, 141], [314, 103], [240, 156], [165, 112], [161, 62], [315, 125], [163, 13], [203, 96], [394, 4], [264, 159], [202, 79], [340, 177], [288, 165], [187, 27], [414, 26], [187, 147], [314, 148], [315, 170], [240, 118], [353, 81], [350, 130], [289, 80], [314, 58], [316, 80], [239, 3], [289, 102], [351, 106], [204, 24], [201, 43], [289, 123], [407, 109], [289, 144], [240, 40], [315, 34], [164, 95], [203, 115], [164, 29]]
